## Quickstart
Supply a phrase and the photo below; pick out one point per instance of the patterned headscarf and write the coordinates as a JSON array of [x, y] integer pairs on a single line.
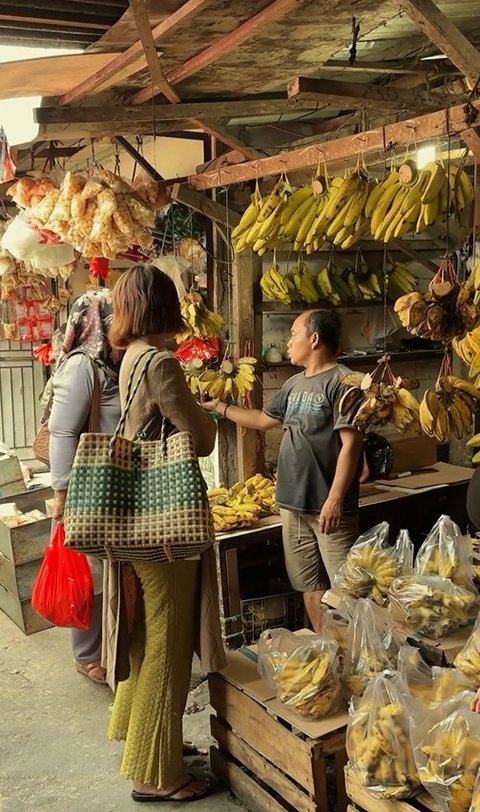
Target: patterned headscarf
[[87, 327]]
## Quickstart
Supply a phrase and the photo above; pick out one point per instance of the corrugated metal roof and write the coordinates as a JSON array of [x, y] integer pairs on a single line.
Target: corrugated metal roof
[[53, 23]]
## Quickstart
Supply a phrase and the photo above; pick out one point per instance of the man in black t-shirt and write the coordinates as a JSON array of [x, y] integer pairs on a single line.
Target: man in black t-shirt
[[319, 461]]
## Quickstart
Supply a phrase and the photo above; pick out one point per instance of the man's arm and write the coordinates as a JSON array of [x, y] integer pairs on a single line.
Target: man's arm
[[248, 418], [347, 464]]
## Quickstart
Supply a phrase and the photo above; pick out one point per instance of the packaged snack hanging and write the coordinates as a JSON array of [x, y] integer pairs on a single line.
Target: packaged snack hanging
[[370, 566], [372, 647], [431, 605], [378, 741], [446, 746], [304, 670], [447, 553]]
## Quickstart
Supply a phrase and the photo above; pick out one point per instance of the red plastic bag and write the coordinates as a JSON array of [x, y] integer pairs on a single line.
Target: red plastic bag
[[63, 590]]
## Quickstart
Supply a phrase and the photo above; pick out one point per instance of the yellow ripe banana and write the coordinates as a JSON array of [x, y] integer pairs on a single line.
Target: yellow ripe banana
[[296, 198], [383, 205], [292, 225], [247, 219], [435, 183]]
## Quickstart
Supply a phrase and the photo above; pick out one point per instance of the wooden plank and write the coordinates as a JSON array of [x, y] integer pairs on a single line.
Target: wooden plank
[[234, 108], [404, 248], [260, 766], [203, 204], [18, 580], [140, 15], [133, 59], [21, 613], [139, 158], [48, 76], [268, 737], [247, 325], [372, 803], [216, 130], [244, 32], [431, 125], [356, 96], [445, 35], [472, 140], [242, 786], [341, 760], [399, 68]]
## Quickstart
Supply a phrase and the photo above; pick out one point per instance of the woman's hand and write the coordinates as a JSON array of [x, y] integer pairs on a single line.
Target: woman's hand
[[212, 405], [59, 498]]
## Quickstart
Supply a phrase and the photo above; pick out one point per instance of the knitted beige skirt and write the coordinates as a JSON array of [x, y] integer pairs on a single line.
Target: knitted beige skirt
[[149, 706]]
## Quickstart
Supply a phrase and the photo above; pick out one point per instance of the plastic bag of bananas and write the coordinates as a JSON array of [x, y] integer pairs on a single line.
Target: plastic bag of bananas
[[431, 685], [475, 805], [404, 553], [468, 659], [378, 740], [447, 553], [370, 566], [303, 669], [431, 605], [372, 647], [446, 746]]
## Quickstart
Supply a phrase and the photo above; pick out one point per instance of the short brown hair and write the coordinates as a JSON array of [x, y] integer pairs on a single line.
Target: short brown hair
[[145, 302]]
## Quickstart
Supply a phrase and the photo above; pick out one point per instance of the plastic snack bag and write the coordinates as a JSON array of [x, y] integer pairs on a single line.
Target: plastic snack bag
[[431, 605], [378, 742], [303, 669], [372, 648], [446, 744], [370, 566], [468, 659], [63, 590], [445, 552]]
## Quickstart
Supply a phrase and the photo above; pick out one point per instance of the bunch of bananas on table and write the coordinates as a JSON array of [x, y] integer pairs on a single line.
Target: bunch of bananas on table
[[447, 411], [306, 678], [432, 606], [370, 567], [378, 740], [232, 379], [241, 505], [445, 312], [367, 402], [449, 758], [200, 322]]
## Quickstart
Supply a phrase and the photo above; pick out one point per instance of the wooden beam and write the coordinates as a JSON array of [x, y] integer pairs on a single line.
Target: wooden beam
[[218, 130], [341, 65], [445, 35], [356, 96], [133, 59], [139, 158], [420, 128], [244, 32], [472, 140], [230, 108], [400, 245], [203, 204]]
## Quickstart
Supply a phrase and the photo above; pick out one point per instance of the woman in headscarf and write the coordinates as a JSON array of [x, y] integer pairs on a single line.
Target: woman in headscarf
[[86, 354]]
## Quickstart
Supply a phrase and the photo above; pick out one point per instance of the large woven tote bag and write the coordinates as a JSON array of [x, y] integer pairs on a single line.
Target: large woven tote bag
[[137, 500]]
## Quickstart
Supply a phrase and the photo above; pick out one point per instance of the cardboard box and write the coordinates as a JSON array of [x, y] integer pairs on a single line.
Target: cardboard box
[[412, 452]]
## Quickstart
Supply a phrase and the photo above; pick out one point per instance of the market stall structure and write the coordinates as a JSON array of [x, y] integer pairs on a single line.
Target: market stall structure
[[272, 156]]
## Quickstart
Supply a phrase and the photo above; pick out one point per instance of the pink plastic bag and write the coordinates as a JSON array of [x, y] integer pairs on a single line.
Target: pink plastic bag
[[63, 590]]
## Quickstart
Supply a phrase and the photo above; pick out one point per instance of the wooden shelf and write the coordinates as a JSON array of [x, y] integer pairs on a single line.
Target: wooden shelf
[[281, 309], [415, 355]]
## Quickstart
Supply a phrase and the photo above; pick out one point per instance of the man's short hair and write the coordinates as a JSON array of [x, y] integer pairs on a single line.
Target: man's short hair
[[328, 326]]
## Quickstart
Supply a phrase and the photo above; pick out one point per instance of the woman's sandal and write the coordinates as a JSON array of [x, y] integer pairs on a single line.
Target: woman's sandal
[[144, 797], [89, 670]]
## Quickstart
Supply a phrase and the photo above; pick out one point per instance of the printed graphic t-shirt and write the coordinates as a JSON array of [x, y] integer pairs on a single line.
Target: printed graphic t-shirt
[[309, 410]]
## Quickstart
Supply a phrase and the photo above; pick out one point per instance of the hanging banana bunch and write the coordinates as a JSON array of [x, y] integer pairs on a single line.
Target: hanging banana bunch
[[447, 411], [200, 322], [232, 379], [379, 398]]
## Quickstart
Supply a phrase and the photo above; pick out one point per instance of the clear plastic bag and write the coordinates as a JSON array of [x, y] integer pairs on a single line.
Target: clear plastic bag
[[372, 648], [468, 659], [430, 685], [445, 552], [304, 669], [404, 552], [370, 567], [446, 744], [475, 804], [431, 605], [378, 742]]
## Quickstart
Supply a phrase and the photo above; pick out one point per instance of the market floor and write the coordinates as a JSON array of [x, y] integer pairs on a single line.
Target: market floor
[[54, 753]]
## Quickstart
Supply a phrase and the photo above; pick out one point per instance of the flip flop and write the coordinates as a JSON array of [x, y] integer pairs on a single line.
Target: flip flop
[[144, 797], [86, 670]]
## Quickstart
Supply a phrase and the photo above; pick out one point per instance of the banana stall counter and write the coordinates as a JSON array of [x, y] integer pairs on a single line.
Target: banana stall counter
[[254, 590]]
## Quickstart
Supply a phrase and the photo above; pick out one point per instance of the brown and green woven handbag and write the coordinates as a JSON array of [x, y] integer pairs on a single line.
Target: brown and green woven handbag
[[137, 500]]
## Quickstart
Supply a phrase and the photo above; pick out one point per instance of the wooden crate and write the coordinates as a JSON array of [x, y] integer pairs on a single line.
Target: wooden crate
[[11, 477], [265, 761], [435, 652], [21, 553], [365, 801]]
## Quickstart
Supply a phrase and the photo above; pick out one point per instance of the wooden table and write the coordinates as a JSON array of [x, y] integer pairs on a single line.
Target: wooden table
[[250, 562]]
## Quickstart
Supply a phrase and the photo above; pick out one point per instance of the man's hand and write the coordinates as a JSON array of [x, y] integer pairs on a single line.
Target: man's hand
[[331, 515], [59, 498]]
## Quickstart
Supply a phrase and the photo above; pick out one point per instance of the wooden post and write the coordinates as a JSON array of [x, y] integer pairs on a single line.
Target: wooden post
[[247, 324]]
